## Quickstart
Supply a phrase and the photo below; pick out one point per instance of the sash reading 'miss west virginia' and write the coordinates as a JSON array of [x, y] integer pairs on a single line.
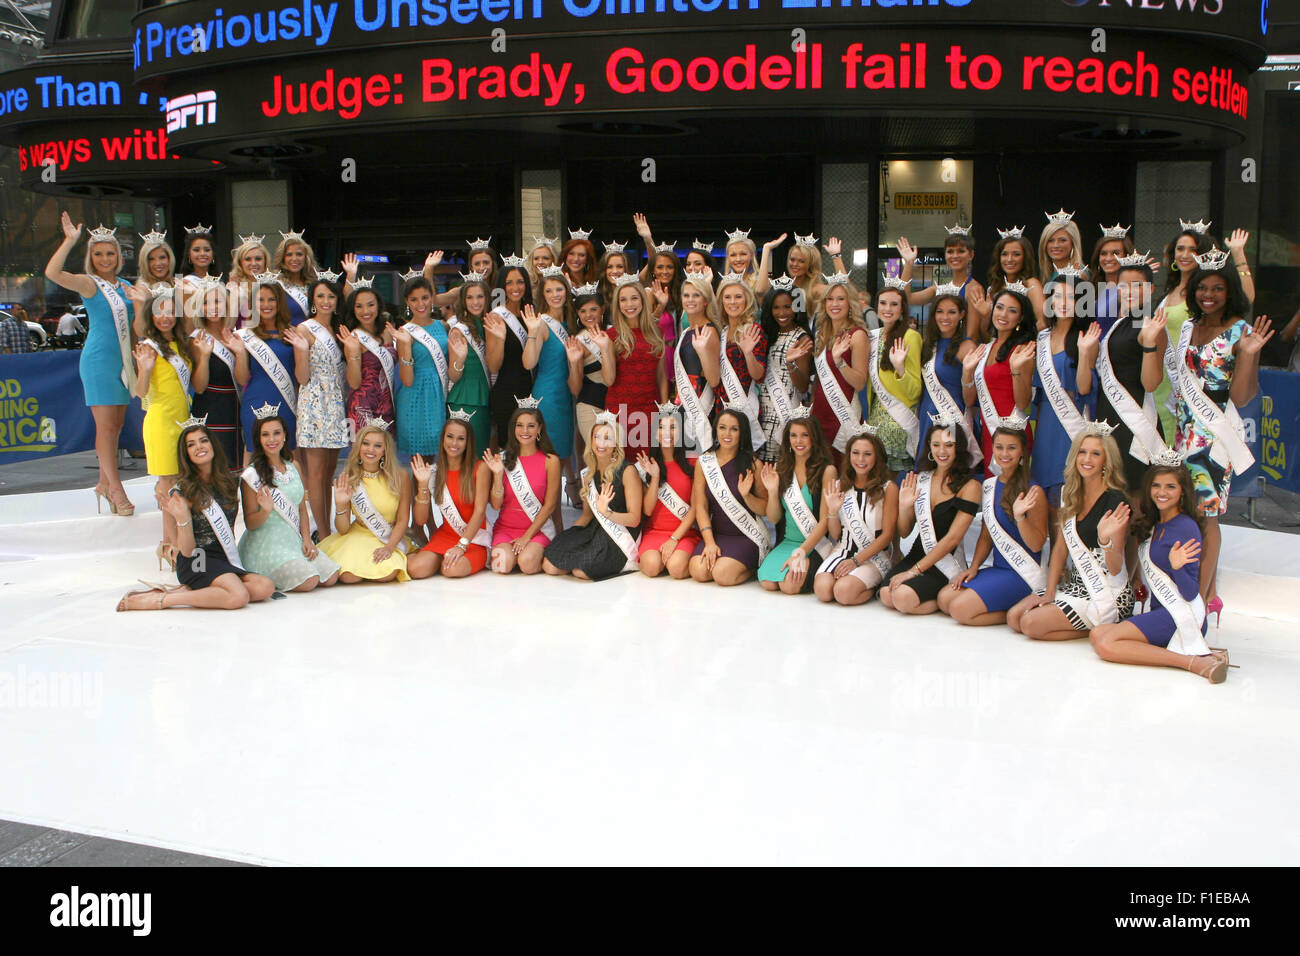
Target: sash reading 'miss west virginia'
[[1013, 552], [1096, 578]]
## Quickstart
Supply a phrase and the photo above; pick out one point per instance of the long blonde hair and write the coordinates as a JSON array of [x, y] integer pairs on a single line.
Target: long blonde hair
[[142, 261], [814, 273], [387, 464], [589, 457], [237, 273], [1112, 473], [309, 264], [1045, 268], [112, 241], [710, 301], [823, 323], [623, 341], [751, 304]]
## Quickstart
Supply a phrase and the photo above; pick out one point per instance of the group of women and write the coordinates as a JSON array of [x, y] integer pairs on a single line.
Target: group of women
[[702, 405]]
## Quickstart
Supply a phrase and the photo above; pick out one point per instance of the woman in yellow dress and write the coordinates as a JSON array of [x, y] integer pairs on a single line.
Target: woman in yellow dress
[[372, 507], [165, 359]]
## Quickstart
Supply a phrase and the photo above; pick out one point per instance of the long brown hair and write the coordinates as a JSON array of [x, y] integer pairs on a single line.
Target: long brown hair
[[877, 478], [1019, 482], [282, 318], [1028, 269], [265, 473], [468, 463], [1148, 515], [589, 270], [179, 332], [959, 470], [198, 492], [624, 342], [511, 454], [819, 456]]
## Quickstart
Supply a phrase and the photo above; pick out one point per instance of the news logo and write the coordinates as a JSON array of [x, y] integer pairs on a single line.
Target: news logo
[[196, 109]]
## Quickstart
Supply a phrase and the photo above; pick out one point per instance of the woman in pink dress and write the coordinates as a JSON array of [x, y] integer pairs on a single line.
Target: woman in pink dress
[[517, 540]]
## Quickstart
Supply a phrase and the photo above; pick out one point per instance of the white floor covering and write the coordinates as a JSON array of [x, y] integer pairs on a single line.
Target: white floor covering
[[530, 721]]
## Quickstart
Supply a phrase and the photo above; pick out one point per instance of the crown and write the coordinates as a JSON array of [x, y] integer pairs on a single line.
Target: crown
[[363, 284], [900, 284], [1059, 218], [840, 278], [802, 411], [245, 240], [1200, 226], [539, 241], [459, 415], [607, 418], [377, 422], [472, 277], [511, 261], [1070, 271], [1114, 232], [266, 411], [1169, 456], [587, 288], [703, 277], [267, 278], [946, 419], [627, 278], [1135, 259], [161, 289], [579, 233], [529, 402], [864, 429], [783, 283], [1213, 260], [199, 230], [292, 236], [730, 277], [551, 272], [809, 240], [946, 288], [207, 283], [615, 246], [670, 246], [665, 408], [704, 247], [737, 408], [193, 422], [1017, 286], [153, 237], [1017, 421], [103, 235], [476, 244], [412, 274], [740, 235], [1100, 429], [328, 276], [957, 229], [1015, 232]]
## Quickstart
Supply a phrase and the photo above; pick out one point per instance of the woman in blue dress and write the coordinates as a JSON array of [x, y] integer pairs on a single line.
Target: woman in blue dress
[[551, 363], [423, 376], [943, 348], [270, 366], [107, 370], [295, 264], [981, 596]]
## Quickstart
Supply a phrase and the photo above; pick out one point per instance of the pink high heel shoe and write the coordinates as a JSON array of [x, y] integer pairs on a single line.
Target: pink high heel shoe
[[1215, 607]]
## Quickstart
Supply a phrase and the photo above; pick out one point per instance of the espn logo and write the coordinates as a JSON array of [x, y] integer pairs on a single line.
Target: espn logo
[[192, 109]]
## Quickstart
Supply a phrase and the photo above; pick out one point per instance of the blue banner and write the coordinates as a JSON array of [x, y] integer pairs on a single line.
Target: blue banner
[[43, 409], [1277, 450]]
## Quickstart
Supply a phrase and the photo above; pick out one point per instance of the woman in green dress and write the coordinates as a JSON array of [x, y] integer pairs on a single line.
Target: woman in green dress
[[796, 488], [469, 367]]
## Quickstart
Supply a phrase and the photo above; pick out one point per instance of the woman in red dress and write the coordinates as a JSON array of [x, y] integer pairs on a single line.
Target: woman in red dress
[[1007, 380], [455, 552], [843, 348], [669, 538], [640, 382]]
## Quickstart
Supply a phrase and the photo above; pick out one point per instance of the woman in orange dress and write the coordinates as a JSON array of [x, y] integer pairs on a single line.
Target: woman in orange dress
[[459, 487]]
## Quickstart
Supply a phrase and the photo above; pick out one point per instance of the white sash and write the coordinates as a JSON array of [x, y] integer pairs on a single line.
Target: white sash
[[988, 410], [848, 412], [619, 534], [782, 403], [223, 353], [858, 531], [371, 517], [376, 348], [283, 507], [176, 362], [737, 395], [556, 327], [1229, 447], [740, 516], [1066, 411], [1094, 574], [803, 516], [948, 408], [451, 514], [697, 406], [514, 324], [221, 528], [297, 293], [666, 494], [326, 339], [473, 343], [1139, 419], [897, 408], [271, 365], [1012, 552], [421, 335], [1188, 616], [122, 325], [523, 491], [950, 564]]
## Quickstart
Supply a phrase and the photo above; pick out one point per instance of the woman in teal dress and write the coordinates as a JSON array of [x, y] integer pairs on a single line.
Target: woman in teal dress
[[277, 547], [805, 462], [422, 394], [551, 386], [471, 389]]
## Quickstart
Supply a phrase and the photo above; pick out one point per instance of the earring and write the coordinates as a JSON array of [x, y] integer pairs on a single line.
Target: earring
[[382, 460]]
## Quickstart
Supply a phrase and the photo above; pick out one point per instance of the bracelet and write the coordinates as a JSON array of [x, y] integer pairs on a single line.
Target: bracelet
[[459, 368], [423, 500], [966, 384], [185, 525], [706, 528], [1153, 348], [1103, 544], [406, 362], [343, 512], [463, 542], [1017, 375], [1244, 270]]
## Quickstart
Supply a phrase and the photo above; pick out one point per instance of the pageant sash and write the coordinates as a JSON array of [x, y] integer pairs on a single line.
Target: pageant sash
[[1012, 552], [371, 518], [451, 514], [803, 516], [556, 327], [738, 395], [515, 326], [224, 354], [1139, 419], [176, 362], [697, 407], [221, 528], [122, 325], [955, 561], [475, 345], [734, 508], [859, 531], [283, 507], [1188, 616], [848, 411], [275, 371], [325, 339], [948, 407], [421, 335], [782, 403], [376, 348], [666, 495], [902, 415], [1096, 578], [1067, 413], [1229, 447], [988, 410], [617, 533], [298, 293], [523, 491]]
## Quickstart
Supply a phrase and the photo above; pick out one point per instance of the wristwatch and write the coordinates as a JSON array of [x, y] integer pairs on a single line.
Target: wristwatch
[[463, 542]]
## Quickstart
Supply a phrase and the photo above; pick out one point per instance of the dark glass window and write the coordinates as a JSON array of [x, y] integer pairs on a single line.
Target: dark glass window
[[97, 19]]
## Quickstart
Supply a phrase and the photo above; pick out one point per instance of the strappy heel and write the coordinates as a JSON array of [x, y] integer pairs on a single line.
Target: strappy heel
[[1215, 673], [166, 554], [1215, 607], [101, 495], [125, 605], [1222, 654]]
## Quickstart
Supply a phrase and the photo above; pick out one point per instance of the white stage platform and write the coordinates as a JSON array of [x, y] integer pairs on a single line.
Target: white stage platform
[[532, 721]]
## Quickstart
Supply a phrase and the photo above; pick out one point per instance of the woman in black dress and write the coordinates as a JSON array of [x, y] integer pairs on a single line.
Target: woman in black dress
[[218, 403], [507, 341]]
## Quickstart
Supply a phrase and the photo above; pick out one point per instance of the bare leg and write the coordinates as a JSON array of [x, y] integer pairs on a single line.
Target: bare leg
[[552, 569], [1048, 623], [792, 583], [1123, 643], [423, 564], [109, 420], [309, 585], [503, 559], [700, 570], [169, 523], [460, 568], [967, 607], [770, 586], [850, 592], [679, 564], [651, 564], [530, 559], [824, 587], [728, 572], [1014, 615], [1211, 542]]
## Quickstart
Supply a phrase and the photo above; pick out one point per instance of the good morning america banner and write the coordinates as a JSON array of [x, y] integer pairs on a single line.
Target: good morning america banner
[[196, 34]]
